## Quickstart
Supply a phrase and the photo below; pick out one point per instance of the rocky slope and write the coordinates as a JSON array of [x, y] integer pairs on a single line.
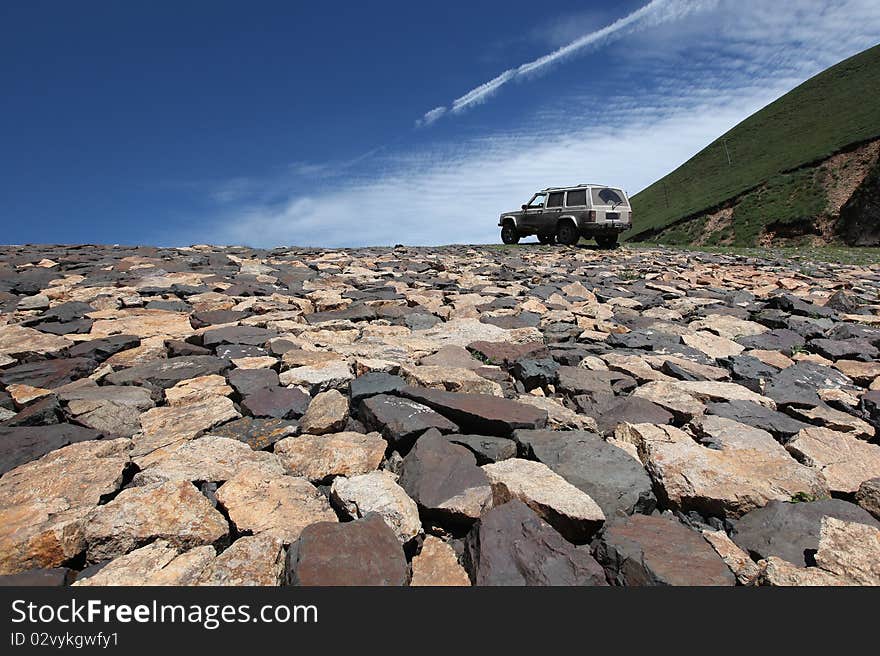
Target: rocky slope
[[447, 416]]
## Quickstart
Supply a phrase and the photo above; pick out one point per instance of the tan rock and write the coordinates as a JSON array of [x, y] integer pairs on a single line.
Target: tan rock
[[712, 345], [844, 461], [437, 564], [151, 348], [338, 454], [378, 492], [281, 506], [850, 550], [772, 358], [174, 511], [141, 322], [709, 372], [451, 379], [569, 510], [728, 326], [863, 373], [332, 375], [744, 469], [778, 572], [837, 420], [43, 503], [208, 458], [327, 413], [635, 366], [673, 397], [24, 394], [18, 340], [256, 560], [256, 362], [197, 389], [743, 567], [158, 563], [166, 429]]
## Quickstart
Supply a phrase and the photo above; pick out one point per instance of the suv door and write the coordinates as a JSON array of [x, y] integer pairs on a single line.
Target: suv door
[[531, 216], [552, 211]]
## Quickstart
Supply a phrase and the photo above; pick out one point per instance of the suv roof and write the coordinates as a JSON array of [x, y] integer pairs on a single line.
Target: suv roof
[[580, 186]]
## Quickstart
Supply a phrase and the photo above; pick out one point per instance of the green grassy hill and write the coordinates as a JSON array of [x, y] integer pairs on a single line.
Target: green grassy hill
[[835, 109]]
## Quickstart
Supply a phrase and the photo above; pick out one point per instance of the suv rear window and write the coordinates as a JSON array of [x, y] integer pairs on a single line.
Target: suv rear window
[[555, 199], [607, 197], [576, 198]]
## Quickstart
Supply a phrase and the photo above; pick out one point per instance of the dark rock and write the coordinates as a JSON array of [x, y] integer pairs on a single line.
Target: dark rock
[[444, 480], [843, 302], [613, 478], [836, 349], [237, 335], [48, 374], [631, 410], [75, 327], [577, 380], [364, 552], [257, 433], [401, 420], [251, 381], [178, 348], [506, 353], [354, 312], [22, 444], [277, 403], [749, 371], [512, 545], [643, 550], [794, 305], [41, 412], [782, 339], [480, 414], [486, 448], [374, 383], [791, 530], [238, 351], [752, 414], [798, 384], [420, 321], [101, 349], [212, 317], [44, 578], [535, 373]]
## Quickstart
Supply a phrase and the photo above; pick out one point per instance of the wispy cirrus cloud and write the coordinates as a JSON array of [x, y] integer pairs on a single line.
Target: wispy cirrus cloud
[[654, 13]]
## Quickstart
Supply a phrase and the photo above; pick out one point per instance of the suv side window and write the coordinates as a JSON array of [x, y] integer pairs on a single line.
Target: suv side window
[[576, 198], [555, 199]]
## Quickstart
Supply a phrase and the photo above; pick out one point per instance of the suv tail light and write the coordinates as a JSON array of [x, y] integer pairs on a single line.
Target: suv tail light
[[592, 216]]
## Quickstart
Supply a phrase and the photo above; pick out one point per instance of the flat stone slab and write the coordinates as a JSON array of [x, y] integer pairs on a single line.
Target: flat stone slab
[[643, 550]]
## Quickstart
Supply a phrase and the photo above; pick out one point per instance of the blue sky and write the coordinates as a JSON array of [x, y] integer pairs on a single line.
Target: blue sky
[[345, 124]]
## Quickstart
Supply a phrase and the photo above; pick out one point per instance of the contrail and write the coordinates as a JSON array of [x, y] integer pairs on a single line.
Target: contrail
[[653, 13]]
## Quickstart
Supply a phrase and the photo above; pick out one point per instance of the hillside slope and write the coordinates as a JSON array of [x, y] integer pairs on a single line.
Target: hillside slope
[[773, 153]]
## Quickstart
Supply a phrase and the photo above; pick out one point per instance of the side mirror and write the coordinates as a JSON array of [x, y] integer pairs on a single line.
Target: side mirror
[[525, 207]]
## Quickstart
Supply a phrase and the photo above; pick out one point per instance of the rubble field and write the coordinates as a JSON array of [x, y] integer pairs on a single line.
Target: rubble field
[[436, 416]]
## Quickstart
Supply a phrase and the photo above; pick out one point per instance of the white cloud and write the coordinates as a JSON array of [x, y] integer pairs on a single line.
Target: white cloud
[[701, 77], [651, 14]]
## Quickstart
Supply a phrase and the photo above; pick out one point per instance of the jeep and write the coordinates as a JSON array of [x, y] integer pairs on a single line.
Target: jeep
[[565, 214]]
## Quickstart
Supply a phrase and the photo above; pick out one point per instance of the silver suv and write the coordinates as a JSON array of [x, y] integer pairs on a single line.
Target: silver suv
[[565, 214]]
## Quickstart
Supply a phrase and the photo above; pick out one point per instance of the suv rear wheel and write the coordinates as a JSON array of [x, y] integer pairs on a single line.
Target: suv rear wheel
[[509, 235], [606, 241], [567, 233]]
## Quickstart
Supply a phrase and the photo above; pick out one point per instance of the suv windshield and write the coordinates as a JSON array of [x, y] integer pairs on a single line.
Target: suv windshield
[[607, 196], [537, 201]]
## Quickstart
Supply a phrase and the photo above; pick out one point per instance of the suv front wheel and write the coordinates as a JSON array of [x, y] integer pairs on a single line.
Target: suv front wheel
[[567, 233], [509, 235]]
